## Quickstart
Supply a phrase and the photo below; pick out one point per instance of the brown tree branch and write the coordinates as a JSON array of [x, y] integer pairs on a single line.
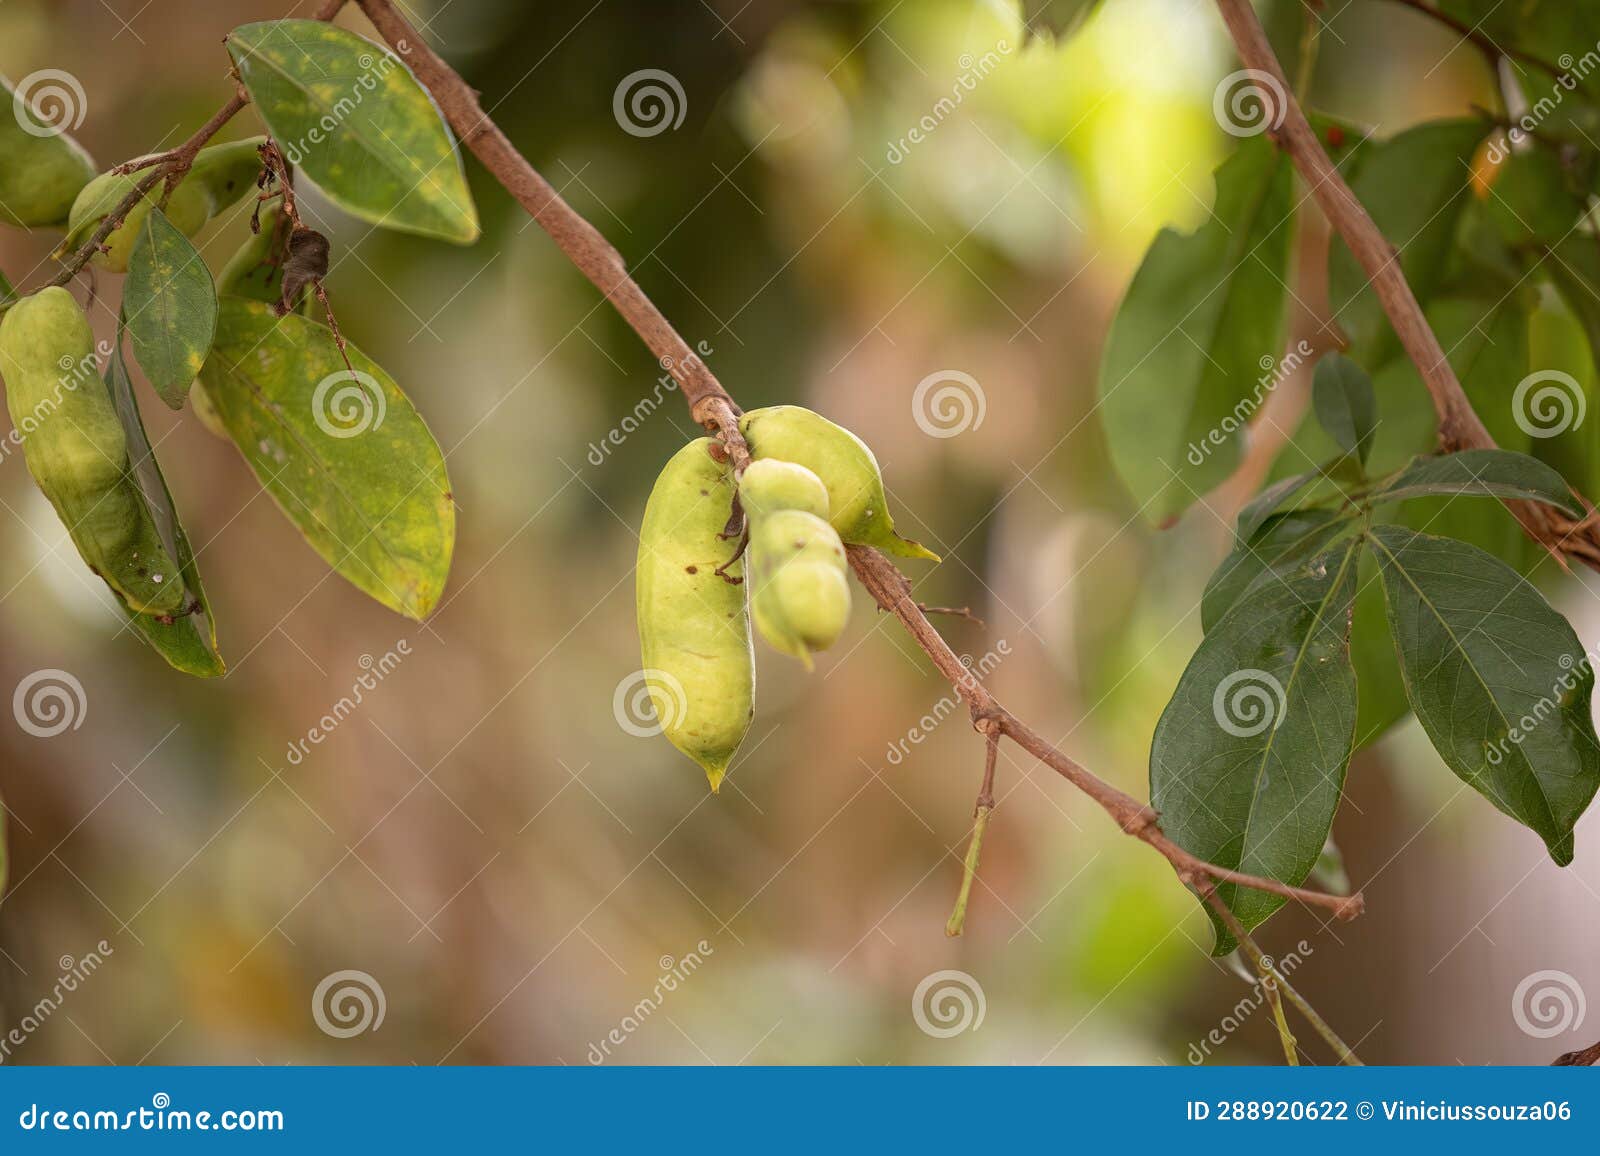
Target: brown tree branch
[[1459, 425], [1584, 1058], [168, 166], [711, 405], [583, 244]]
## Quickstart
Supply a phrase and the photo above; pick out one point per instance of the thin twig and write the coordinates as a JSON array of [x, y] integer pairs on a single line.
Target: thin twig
[[951, 611], [169, 166], [1484, 43], [981, 811], [1291, 1046], [1264, 963], [1459, 425]]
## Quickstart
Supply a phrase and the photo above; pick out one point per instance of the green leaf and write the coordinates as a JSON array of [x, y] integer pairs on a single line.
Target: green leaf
[[1341, 394], [1249, 757], [348, 459], [1263, 505], [187, 641], [7, 294], [1282, 543], [1498, 679], [1531, 199], [1551, 30], [1487, 473], [1559, 348], [170, 306], [1182, 370], [1414, 185], [42, 168], [350, 115]]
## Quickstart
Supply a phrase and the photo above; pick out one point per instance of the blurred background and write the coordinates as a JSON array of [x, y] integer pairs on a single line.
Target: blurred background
[[514, 870]]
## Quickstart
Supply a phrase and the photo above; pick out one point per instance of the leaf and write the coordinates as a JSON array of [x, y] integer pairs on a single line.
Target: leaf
[[1182, 370], [348, 460], [1283, 542], [1488, 473], [187, 641], [1414, 185], [170, 307], [1263, 505], [1341, 394], [1249, 757], [8, 294], [353, 118], [1551, 30], [1559, 349], [1498, 679], [1531, 200]]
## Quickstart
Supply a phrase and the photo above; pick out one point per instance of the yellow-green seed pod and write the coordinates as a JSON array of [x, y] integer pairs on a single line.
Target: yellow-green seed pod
[[799, 595], [77, 451], [770, 485], [40, 171], [219, 176], [857, 505], [694, 634], [206, 410]]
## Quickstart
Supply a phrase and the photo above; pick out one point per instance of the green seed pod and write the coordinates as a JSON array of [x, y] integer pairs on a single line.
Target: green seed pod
[[219, 176], [771, 485], [858, 507], [39, 174], [799, 595], [77, 451], [694, 635]]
